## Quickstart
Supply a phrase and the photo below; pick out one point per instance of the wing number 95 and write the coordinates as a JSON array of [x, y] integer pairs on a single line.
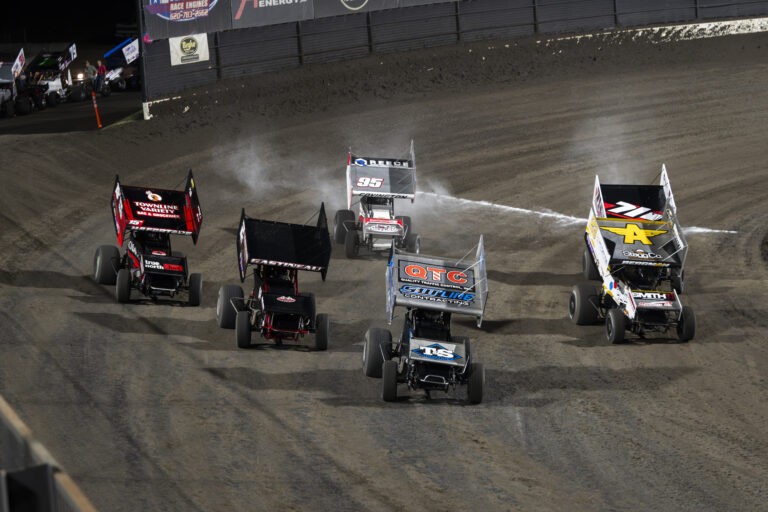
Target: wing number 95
[[369, 182]]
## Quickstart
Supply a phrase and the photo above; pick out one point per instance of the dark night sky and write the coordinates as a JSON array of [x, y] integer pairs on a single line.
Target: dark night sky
[[74, 20]]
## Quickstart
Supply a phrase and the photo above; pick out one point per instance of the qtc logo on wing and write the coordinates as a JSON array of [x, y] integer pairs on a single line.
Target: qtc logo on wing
[[435, 274], [154, 197], [354, 5], [437, 352]]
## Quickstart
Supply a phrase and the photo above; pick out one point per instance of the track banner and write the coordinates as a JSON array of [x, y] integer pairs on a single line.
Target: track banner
[[256, 13], [188, 49], [173, 18]]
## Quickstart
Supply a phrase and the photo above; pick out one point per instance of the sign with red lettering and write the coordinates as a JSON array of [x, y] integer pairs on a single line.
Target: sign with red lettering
[[436, 275]]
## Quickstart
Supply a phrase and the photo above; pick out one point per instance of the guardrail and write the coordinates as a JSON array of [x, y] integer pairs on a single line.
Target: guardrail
[[21, 453]]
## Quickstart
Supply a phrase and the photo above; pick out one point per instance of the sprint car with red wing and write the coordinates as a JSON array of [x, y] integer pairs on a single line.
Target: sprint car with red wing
[[275, 308], [145, 219], [636, 247], [377, 182], [428, 356]]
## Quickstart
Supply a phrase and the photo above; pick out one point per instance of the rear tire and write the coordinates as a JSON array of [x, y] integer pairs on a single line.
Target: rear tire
[[686, 326], [9, 108], [53, 99], [106, 261], [351, 244], [225, 313], [376, 349], [23, 106], [40, 102], [582, 304], [389, 378], [339, 230], [406, 223], [243, 329], [476, 383], [678, 283], [322, 332], [588, 267], [123, 285], [413, 243], [615, 326], [195, 289]]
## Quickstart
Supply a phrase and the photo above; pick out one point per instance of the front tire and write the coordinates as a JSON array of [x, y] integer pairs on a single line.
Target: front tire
[[615, 326], [351, 244], [339, 228], [583, 304], [243, 329], [225, 312], [686, 326], [376, 348], [389, 381], [106, 260], [678, 283], [195, 289], [476, 383], [413, 243], [123, 285], [322, 331]]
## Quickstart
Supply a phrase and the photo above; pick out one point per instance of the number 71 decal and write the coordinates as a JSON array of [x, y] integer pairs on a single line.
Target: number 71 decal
[[369, 182]]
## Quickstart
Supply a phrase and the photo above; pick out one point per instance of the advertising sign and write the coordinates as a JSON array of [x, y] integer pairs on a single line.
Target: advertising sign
[[188, 49], [131, 51], [256, 13], [169, 18]]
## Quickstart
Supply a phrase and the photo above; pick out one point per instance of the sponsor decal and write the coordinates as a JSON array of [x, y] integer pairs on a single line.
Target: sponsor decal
[[632, 233], [314, 268], [643, 304], [437, 295], [131, 51], [157, 210], [437, 352], [652, 295], [243, 248], [365, 182], [182, 10], [644, 263], [159, 253], [377, 162], [631, 211], [173, 268], [260, 4], [640, 254], [354, 5], [188, 49], [286, 299], [436, 275], [132, 247], [155, 265], [154, 197], [383, 226]]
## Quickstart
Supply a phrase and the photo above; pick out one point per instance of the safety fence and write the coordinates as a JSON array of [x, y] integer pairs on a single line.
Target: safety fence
[[30, 478], [254, 50]]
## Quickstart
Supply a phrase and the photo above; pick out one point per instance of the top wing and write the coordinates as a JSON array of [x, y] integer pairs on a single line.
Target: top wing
[[152, 209], [427, 282], [383, 177], [280, 244]]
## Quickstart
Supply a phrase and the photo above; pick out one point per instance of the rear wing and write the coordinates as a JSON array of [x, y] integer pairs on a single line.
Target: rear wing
[[670, 217], [54, 61], [426, 282], [382, 177], [280, 244], [14, 68], [176, 212]]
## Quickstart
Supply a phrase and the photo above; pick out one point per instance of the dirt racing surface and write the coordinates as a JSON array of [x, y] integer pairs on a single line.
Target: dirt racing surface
[[152, 407]]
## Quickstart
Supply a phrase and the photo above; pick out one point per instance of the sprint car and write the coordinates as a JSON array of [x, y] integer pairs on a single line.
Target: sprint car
[[10, 67], [145, 219], [427, 356], [636, 247], [49, 79], [377, 182], [275, 308]]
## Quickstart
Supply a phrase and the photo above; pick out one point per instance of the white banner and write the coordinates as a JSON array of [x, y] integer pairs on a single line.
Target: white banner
[[18, 64], [188, 49], [131, 51]]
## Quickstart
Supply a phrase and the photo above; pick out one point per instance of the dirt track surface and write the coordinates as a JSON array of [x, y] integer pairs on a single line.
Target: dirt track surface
[[151, 407]]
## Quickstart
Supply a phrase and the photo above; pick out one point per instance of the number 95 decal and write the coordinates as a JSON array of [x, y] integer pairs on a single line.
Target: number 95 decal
[[369, 182]]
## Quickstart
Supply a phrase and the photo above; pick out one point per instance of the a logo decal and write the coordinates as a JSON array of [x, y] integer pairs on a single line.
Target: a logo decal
[[631, 211], [354, 5], [632, 233], [154, 197], [437, 352], [287, 299], [188, 45], [181, 10]]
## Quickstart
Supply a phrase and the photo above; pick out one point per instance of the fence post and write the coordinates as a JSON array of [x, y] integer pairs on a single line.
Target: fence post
[[370, 34], [458, 21], [298, 43], [143, 62], [615, 13], [535, 17], [216, 44], [696, 12]]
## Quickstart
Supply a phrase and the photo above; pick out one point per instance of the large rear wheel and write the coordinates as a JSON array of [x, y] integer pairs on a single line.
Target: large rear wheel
[[583, 304], [322, 331], [475, 383], [340, 221], [686, 326], [377, 348], [195, 289], [106, 261], [123, 285], [351, 244], [243, 329], [225, 311], [615, 326], [389, 378], [588, 267]]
